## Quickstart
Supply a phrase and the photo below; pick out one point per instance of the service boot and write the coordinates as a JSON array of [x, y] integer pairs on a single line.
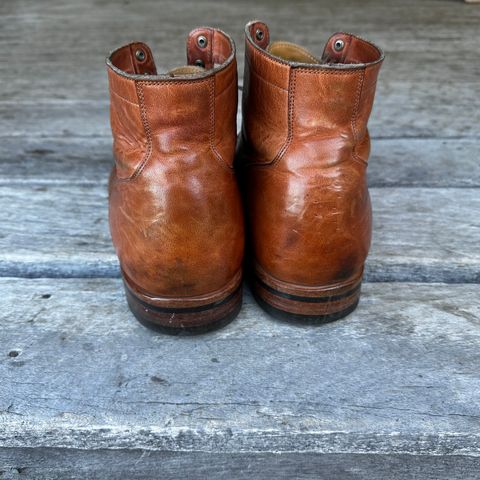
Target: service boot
[[303, 157], [175, 210]]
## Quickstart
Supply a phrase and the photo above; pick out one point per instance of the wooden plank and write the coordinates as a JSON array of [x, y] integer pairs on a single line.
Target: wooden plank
[[55, 83], [399, 376], [63, 463], [393, 162], [394, 116], [62, 231], [50, 230], [66, 46], [425, 235], [398, 76]]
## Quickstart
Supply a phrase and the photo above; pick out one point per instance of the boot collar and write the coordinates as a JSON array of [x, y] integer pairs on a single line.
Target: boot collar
[[343, 51], [209, 48]]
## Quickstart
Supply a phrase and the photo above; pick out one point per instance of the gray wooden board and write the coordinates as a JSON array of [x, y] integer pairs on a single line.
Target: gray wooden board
[[405, 117], [86, 392], [398, 376], [61, 230], [418, 162], [56, 49], [63, 464], [54, 81]]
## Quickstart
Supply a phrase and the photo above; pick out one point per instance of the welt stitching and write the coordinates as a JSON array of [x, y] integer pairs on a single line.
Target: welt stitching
[[324, 71], [356, 106], [212, 126], [355, 115], [174, 82], [146, 126], [291, 107]]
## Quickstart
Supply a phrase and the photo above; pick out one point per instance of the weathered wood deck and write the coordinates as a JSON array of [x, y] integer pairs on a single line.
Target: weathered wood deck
[[86, 392]]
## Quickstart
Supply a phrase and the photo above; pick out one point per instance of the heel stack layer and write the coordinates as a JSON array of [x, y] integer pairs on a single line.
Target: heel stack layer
[[175, 320], [320, 306]]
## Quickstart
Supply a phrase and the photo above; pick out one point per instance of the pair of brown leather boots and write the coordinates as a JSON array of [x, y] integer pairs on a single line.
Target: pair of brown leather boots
[[176, 214]]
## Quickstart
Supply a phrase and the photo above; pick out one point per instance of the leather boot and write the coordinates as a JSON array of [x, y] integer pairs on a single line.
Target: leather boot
[[175, 209], [303, 156]]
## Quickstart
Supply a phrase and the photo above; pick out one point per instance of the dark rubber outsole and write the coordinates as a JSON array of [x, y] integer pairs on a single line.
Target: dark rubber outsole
[[326, 306], [186, 321], [290, 317], [174, 331]]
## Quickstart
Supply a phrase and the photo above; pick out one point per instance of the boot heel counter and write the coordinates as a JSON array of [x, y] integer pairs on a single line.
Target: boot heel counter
[[319, 231]]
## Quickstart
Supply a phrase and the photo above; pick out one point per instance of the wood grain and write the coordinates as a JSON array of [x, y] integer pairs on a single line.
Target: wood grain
[[54, 80], [405, 162], [66, 463], [398, 376], [392, 391], [61, 230]]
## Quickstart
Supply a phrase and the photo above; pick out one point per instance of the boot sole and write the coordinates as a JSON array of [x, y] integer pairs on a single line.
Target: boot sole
[[184, 320], [322, 305]]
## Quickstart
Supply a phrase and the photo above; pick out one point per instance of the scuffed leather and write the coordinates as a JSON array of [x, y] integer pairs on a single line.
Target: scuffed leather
[[303, 156], [175, 211]]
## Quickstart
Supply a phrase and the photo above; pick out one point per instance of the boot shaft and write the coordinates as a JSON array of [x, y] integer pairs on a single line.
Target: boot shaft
[[191, 108], [291, 96], [303, 155], [175, 211]]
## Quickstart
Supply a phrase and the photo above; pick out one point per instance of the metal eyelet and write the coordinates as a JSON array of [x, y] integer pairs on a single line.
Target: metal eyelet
[[202, 41], [259, 34], [338, 45], [200, 63], [140, 55]]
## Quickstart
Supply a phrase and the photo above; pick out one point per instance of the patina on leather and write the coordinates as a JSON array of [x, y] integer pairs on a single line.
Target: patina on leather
[[175, 211], [303, 155]]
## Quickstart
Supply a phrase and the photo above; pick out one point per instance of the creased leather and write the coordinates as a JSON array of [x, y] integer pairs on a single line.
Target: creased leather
[[175, 212], [302, 157]]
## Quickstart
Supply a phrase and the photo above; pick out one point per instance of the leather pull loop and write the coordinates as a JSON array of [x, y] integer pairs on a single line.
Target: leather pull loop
[[349, 49], [207, 47], [336, 48], [134, 58], [259, 33], [200, 44]]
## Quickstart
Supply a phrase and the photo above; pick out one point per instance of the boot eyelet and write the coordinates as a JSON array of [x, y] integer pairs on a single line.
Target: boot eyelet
[[202, 41], [338, 45], [199, 63], [140, 55], [259, 34]]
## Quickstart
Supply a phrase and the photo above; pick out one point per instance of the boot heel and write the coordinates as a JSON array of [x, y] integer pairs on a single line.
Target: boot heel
[[317, 305], [192, 320]]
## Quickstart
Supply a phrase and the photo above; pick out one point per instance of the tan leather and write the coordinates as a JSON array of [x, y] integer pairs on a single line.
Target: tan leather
[[303, 156], [175, 211]]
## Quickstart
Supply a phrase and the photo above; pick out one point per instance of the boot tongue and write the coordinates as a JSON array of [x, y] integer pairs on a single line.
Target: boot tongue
[[185, 70], [291, 52]]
